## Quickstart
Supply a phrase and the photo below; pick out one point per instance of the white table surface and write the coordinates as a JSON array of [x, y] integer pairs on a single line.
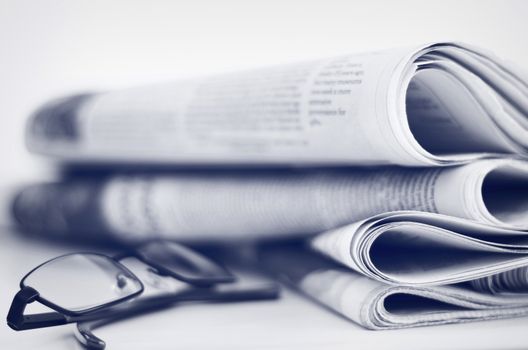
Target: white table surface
[[292, 322]]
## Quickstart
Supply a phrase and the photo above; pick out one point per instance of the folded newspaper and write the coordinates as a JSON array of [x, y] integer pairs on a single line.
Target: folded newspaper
[[376, 305], [416, 248], [236, 205], [436, 104]]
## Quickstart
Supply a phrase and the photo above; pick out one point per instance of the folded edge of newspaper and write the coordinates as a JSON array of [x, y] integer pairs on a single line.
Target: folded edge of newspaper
[[418, 248], [376, 305]]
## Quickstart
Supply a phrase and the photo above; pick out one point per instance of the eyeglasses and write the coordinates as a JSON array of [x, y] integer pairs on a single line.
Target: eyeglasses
[[94, 289]]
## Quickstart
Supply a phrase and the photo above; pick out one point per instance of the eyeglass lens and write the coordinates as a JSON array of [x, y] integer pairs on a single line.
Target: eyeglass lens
[[79, 282]]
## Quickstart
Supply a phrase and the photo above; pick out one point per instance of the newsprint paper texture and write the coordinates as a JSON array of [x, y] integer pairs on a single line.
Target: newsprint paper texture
[[222, 206], [436, 104], [377, 305]]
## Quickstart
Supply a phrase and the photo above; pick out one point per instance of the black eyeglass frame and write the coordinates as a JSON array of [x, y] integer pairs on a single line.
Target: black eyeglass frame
[[26, 295]]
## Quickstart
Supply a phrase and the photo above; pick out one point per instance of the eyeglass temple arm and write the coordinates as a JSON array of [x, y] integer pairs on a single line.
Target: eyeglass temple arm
[[18, 321], [84, 330]]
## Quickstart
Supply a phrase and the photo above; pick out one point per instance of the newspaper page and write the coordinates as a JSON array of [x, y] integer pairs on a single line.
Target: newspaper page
[[388, 107], [378, 306], [249, 205]]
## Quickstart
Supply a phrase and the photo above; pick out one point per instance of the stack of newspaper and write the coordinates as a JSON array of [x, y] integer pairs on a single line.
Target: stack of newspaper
[[403, 167]]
